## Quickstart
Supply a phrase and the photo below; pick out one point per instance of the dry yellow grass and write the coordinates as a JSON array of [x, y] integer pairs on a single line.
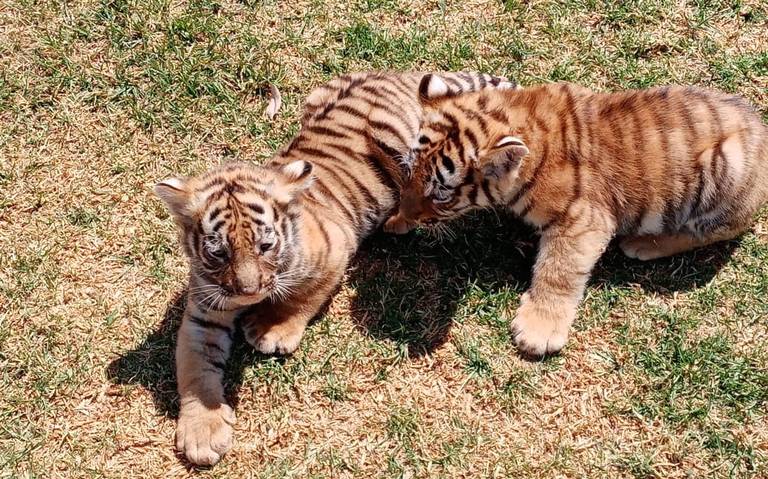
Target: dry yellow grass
[[411, 372]]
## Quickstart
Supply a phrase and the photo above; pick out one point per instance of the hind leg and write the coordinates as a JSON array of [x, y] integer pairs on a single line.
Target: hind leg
[[650, 247]]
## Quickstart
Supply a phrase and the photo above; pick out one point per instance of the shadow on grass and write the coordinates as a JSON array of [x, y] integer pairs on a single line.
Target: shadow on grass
[[151, 364], [410, 287]]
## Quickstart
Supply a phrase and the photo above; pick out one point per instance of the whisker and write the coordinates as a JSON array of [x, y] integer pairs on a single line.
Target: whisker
[[200, 289], [208, 299], [449, 231], [440, 231], [219, 301], [283, 287]]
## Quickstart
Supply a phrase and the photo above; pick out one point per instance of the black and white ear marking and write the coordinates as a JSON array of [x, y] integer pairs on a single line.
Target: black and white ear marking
[[175, 195], [297, 170], [508, 141], [508, 85], [298, 176], [511, 144], [432, 86], [503, 156]]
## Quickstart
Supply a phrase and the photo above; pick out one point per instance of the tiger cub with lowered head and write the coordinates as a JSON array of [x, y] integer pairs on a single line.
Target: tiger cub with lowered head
[[269, 244], [668, 169]]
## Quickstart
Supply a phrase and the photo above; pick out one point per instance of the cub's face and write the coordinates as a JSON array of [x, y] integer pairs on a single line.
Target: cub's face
[[458, 157], [238, 226], [443, 178]]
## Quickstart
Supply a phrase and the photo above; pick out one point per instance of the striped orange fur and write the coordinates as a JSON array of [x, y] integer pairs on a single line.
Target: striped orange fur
[[270, 244], [666, 169]]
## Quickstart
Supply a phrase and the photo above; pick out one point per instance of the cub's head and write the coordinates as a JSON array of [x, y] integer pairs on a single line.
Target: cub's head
[[463, 151], [238, 227]]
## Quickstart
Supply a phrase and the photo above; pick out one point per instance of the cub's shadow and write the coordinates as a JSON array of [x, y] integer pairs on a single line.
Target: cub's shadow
[[151, 364], [409, 288]]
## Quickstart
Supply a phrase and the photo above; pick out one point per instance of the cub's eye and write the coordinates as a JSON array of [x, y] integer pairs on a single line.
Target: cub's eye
[[216, 248], [266, 247]]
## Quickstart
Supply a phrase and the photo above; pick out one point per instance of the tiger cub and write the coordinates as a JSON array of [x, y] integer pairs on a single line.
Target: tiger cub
[[667, 169], [269, 244]]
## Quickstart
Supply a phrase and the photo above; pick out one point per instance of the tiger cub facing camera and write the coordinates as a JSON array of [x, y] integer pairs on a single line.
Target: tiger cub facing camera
[[269, 244], [666, 169]]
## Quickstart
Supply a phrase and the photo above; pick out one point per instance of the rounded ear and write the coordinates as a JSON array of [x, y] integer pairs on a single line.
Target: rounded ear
[[511, 146], [175, 194], [504, 155], [298, 175], [432, 87], [508, 85], [297, 170]]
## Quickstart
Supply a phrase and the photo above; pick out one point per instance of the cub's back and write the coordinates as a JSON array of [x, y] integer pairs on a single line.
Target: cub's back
[[683, 152], [357, 130], [675, 122]]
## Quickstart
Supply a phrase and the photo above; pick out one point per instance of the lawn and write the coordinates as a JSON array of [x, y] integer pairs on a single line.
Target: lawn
[[411, 372]]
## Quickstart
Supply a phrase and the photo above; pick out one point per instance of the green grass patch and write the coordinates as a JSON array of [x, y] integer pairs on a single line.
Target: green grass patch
[[412, 371], [688, 378]]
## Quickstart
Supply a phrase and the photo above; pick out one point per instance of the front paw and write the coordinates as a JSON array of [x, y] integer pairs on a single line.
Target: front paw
[[398, 225], [205, 435], [278, 339], [540, 329]]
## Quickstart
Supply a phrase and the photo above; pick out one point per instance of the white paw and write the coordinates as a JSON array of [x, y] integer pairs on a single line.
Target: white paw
[[205, 435], [277, 341], [538, 332]]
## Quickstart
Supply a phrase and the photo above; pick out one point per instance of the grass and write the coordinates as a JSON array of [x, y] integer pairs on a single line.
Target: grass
[[411, 372]]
